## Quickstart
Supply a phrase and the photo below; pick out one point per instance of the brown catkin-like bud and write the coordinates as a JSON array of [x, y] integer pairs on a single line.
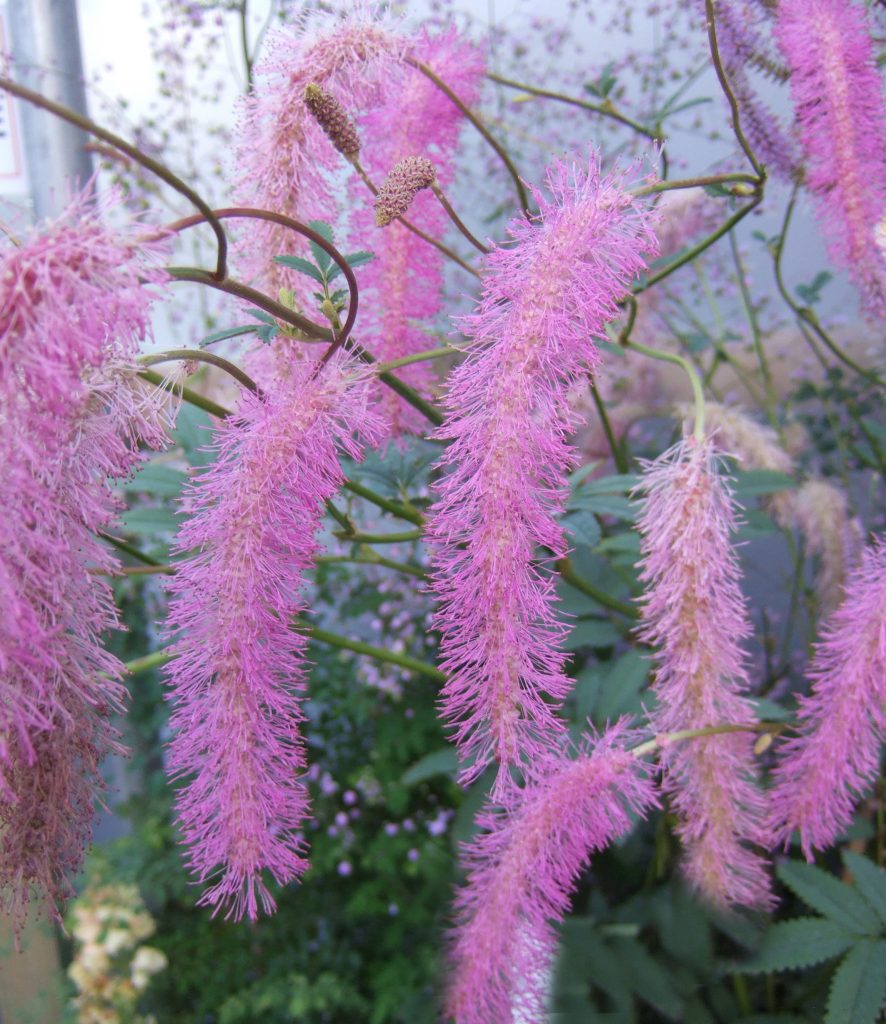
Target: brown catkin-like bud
[[404, 181], [334, 120]]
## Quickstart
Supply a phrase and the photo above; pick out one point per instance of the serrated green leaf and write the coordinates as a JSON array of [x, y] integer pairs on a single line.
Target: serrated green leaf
[[650, 981], [439, 762], [802, 942], [843, 904], [260, 314], [353, 259], [858, 987], [158, 480], [323, 259], [303, 266], [228, 332], [615, 483], [870, 880], [606, 505], [150, 520], [192, 434], [591, 633], [583, 526]]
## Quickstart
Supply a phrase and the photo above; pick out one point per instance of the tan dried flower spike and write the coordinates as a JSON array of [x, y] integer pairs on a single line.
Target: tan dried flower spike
[[404, 181], [334, 120]]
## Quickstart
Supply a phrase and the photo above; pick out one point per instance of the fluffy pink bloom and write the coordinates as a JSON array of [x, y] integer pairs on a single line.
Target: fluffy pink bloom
[[695, 615], [238, 669], [401, 288], [841, 112], [284, 160], [546, 297], [521, 872], [822, 773], [73, 308]]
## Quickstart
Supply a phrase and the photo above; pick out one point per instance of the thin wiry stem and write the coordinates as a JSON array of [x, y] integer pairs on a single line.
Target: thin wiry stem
[[199, 356], [162, 172], [457, 221], [186, 394], [430, 74]]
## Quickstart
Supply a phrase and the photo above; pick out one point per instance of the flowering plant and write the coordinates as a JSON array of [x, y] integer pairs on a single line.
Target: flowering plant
[[599, 656]]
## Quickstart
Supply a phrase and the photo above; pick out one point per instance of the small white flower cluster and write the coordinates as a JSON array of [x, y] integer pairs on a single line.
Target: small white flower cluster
[[111, 967]]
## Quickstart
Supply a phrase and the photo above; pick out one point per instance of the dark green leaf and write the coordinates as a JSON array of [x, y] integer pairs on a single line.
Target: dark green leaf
[[192, 433], [717, 190], [438, 762], [228, 332], [150, 520], [650, 980], [843, 904], [870, 880], [622, 683], [858, 987], [591, 633], [322, 258], [303, 266], [749, 483], [582, 525], [260, 314], [617, 483], [158, 480], [353, 259], [793, 945]]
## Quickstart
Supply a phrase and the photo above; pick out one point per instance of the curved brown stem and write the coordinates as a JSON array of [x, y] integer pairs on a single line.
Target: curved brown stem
[[243, 291], [299, 228], [199, 356], [154, 166], [432, 75]]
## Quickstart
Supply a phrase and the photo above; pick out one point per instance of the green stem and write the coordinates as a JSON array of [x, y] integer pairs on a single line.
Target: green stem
[[430, 74], [129, 549], [699, 248], [162, 172], [621, 462], [149, 661], [666, 739], [727, 91], [396, 508], [604, 109], [421, 668], [371, 557], [564, 567], [700, 182], [186, 394], [380, 538], [457, 221], [694, 380], [197, 355], [417, 357]]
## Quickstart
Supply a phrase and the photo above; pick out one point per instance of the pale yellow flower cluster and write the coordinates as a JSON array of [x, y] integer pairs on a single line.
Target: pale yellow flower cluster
[[111, 967]]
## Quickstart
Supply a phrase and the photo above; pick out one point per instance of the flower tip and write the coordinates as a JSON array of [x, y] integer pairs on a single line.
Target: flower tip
[[403, 183], [334, 120]]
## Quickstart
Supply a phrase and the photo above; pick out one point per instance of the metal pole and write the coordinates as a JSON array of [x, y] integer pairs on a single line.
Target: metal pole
[[45, 39]]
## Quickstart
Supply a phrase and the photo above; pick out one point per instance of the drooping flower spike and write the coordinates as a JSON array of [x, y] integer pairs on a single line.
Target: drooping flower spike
[[841, 113], [546, 296], [522, 869], [823, 773], [401, 289], [238, 668], [74, 305], [695, 616]]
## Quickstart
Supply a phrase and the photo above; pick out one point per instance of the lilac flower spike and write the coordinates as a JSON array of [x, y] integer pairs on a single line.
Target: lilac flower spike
[[822, 773], [546, 296], [522, 870], [73, 308], [694, 614], [841, 112], [238, 669]]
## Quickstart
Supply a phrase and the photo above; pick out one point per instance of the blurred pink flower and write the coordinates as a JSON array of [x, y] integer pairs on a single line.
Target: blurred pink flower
[[841, 112], [822, 773], [695, 616]]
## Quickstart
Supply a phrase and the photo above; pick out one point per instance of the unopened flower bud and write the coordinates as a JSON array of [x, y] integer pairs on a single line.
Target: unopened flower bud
[[404, 181], [334, 120]]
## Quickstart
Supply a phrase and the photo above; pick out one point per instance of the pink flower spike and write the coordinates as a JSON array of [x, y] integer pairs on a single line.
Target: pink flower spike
[[521, 872], [841, 112], [238, 667], [822, 773], [546, 297], [694, 613]]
